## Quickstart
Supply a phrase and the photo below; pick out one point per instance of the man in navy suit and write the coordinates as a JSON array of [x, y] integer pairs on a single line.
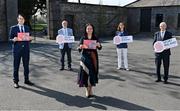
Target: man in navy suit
[[162, 56], [65, 47], [21, 49]]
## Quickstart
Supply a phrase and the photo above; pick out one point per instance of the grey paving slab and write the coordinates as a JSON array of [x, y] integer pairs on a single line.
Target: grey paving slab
[[117, 89]]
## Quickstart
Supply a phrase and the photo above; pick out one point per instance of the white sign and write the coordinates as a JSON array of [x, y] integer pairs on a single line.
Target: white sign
[[170, 43], [122, 39], [64, 39], [160, 46]]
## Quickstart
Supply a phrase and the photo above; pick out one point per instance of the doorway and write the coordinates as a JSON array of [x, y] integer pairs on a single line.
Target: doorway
[[145, 20]]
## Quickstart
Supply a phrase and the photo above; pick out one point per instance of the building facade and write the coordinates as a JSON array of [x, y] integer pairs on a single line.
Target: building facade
[[145, 15], [104, 18], [8, 15], [140, 16], [3, 29]]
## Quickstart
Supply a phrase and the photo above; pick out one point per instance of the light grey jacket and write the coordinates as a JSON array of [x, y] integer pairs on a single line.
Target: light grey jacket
[[61, 32]]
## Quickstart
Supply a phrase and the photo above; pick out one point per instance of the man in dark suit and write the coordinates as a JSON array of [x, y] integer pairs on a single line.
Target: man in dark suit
[[65, 47], [162, 56], [21, 49]]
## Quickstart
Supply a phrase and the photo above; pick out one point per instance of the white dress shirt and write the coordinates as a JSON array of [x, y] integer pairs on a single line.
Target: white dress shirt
[[162, 34], [21, 28], [65, 32]]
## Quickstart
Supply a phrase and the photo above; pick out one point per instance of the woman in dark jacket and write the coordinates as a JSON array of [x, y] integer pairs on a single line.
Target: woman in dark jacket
[[88, 74]]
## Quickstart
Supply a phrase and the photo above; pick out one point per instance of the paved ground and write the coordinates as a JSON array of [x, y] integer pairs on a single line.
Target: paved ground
[[117, 89]]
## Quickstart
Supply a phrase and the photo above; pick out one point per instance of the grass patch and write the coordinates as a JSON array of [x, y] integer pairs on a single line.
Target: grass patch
[[38, 27]]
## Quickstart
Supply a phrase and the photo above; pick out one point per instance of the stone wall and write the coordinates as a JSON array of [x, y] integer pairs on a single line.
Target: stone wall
[[3, 31], [8, 15], [53, 17], [12, 12], [104, 18], [170, 16], [133, 20]]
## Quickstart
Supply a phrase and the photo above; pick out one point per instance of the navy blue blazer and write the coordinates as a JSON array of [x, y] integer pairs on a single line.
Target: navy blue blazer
[[157, 37], [122, 45], [14, 30]]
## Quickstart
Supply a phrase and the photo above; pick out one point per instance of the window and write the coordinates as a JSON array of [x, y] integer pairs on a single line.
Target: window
[[178, 20], [159, 19]]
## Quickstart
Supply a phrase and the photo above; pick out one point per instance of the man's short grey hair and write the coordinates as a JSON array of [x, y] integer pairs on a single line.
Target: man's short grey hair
[[163, 23]]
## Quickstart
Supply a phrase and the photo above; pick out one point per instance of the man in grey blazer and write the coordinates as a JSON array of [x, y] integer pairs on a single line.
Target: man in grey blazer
[[164, 56], [65, 47]]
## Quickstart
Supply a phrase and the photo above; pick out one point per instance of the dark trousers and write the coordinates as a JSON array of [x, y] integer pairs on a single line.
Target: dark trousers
[[166, 61], [67, 50], [24, 54]]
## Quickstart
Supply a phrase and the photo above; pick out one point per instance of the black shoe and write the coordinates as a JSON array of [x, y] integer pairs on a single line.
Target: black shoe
[[16, 85], [158, 80], [61, 69], [165, 82], [70, 69], [29, 83], [90, 96]]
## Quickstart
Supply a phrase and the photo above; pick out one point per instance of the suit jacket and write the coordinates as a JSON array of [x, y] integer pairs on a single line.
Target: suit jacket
[[14, 30], [61, 32], [157, 37]]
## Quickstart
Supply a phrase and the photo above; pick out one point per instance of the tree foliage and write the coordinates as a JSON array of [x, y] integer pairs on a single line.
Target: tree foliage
[[30, 7]]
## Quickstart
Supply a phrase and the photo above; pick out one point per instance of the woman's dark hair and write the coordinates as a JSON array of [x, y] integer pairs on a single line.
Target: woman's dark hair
[[93, 33]]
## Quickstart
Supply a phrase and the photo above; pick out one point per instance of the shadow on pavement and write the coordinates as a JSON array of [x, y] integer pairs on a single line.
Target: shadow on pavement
[[110, 77], [81, 102], [143, 72], [175, 84]]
